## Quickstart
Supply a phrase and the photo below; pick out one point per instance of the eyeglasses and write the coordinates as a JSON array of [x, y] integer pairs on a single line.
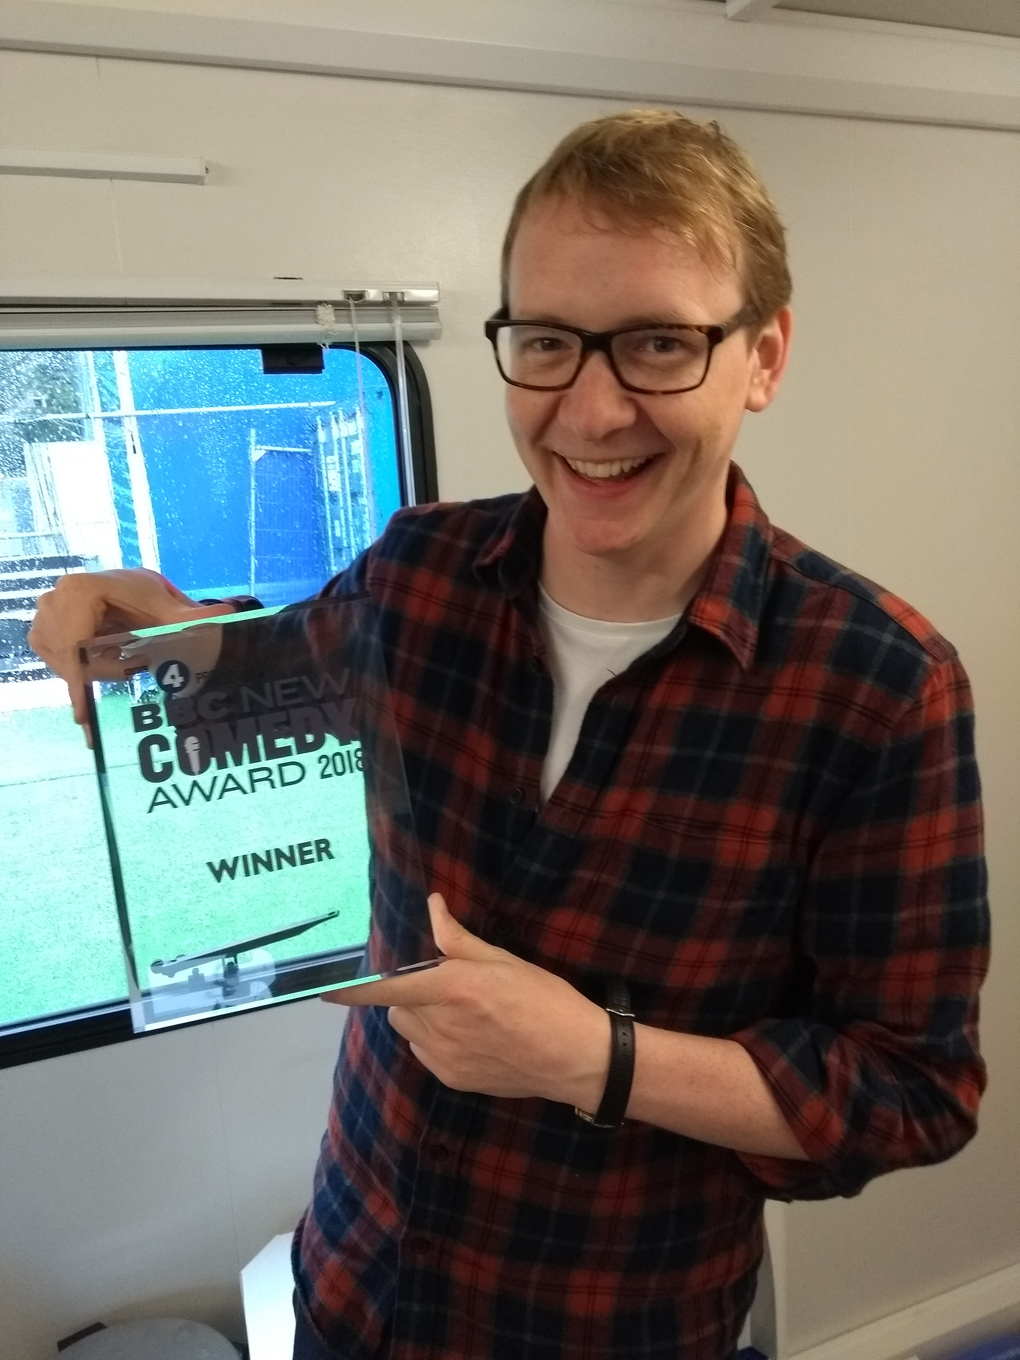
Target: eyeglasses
[[653, 360]]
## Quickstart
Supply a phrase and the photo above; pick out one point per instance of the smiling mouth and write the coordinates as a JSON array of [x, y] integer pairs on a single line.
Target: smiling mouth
[[616, 470]]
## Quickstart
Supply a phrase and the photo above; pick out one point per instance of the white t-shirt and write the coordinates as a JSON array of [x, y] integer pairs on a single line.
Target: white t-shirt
[[583, 655]]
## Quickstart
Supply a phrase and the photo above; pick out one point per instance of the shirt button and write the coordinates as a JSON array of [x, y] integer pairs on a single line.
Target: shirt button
[[439, 1153], [502, 928], [418, 1246], [516, 795]]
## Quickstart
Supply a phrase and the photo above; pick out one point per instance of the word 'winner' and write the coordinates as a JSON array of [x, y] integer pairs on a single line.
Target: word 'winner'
[[253, 725]]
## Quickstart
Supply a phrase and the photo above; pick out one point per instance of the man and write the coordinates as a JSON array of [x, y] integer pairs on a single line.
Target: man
[[664, 760]]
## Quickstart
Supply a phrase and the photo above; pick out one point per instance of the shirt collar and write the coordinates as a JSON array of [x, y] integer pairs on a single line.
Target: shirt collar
[[511, 556], [728, 604]]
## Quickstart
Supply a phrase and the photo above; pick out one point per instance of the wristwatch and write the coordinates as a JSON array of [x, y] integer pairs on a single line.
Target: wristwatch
[[620, 1076]]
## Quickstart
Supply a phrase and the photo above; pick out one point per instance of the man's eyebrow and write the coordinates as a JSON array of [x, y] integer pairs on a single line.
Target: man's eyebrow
[[660, 320], [649, 320]]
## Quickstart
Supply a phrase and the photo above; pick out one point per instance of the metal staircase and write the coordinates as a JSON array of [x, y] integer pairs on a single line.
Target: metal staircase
[[22, 581]]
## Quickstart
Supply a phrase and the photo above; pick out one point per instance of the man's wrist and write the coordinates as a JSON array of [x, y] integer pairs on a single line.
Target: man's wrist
[[233, 604], [586, 1085]]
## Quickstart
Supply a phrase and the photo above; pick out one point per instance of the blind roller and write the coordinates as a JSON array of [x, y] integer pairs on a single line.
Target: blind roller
[[126, 316]]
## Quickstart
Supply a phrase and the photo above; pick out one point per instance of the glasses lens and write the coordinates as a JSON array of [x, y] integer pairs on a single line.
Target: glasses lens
[[662, 358], [540, 356]]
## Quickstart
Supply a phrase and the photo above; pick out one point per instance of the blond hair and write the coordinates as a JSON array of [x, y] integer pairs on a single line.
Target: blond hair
[[656, 167]]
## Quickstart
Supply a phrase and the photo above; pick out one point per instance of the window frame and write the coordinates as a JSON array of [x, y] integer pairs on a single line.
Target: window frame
[[76, 1031]]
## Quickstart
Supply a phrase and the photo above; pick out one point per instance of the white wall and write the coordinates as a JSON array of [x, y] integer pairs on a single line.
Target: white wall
[[138, 1178]]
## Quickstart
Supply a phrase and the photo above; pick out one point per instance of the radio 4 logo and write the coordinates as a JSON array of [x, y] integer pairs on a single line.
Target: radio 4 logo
[[258, 729], [173, 676]]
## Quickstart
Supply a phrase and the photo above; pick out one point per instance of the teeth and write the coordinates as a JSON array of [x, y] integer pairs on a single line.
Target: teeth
[[619, 467]]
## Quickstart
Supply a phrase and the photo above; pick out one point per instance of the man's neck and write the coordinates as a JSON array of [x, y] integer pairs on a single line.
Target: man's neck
[[628, 588]]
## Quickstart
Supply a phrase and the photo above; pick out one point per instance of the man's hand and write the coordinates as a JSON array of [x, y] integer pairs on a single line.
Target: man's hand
[[488, 1021], [84, 605]]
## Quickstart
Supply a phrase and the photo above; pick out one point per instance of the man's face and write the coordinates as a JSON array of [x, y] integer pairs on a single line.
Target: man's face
[[667, 455]]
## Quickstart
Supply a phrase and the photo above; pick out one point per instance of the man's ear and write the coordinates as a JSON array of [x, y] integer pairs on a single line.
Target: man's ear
[[769, 354]]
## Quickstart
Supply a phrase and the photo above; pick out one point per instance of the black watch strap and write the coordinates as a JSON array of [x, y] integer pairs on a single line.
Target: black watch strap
[[620, 1076]]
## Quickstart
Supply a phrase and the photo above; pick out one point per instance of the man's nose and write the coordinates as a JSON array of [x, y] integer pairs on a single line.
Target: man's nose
[[596, 404]]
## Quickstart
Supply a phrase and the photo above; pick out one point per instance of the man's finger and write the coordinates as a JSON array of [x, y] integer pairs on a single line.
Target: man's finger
[[76, 693], [408, 1024], [416, 989], [453, 940]]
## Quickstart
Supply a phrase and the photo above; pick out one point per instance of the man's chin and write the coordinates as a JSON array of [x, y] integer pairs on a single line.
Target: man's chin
[[595, 537]]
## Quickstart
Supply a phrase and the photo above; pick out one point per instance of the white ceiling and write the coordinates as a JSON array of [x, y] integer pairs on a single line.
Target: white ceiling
[[974, 16]]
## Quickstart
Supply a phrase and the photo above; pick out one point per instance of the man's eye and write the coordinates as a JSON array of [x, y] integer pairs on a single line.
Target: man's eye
[[666, 343], [545, 344], [659, 351]]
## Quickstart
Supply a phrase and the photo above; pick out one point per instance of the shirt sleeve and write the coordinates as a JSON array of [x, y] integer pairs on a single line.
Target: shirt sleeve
[[239, 654], [879, 1067]]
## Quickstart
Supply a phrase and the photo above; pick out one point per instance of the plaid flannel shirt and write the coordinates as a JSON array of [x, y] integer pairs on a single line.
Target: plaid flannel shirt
[[770, 827]]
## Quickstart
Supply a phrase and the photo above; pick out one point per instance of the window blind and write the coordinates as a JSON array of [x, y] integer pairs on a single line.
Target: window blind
[[127, 314]]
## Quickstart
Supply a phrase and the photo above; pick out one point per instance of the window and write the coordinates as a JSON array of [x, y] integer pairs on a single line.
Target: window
[[230, 470]]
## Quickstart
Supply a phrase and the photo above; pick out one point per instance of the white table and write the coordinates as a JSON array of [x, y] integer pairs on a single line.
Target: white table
[[267, 1288]]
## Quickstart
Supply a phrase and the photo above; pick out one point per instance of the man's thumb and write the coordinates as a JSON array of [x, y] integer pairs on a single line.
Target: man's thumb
[[451, 937]]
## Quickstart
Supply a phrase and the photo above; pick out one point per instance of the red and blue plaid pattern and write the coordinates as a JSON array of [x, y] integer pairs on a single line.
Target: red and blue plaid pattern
[[770, 827]]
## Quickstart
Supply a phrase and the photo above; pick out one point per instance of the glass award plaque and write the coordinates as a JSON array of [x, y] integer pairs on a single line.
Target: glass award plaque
[[255, 803]]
